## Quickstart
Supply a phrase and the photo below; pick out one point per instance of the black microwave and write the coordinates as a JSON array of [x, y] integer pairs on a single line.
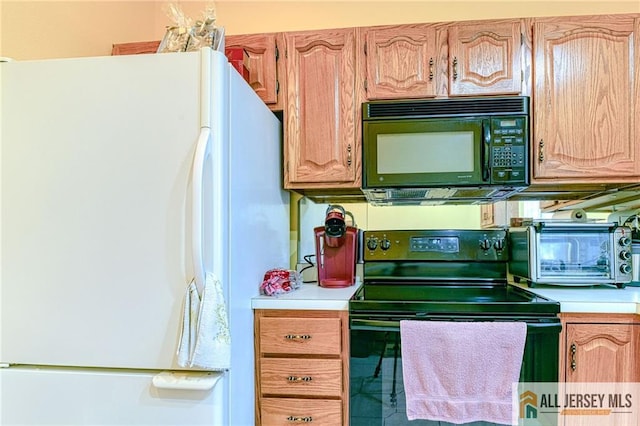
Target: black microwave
[[462, 150]]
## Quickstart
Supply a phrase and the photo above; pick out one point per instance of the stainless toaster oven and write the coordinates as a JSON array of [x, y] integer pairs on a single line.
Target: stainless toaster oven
[[570, 253]]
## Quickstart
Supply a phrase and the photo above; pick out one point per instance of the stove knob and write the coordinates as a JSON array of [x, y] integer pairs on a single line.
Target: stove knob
[[625, 268], [372, 243], [499, 245], [385, 244], [624, 241], [485, 244], [625, 255]]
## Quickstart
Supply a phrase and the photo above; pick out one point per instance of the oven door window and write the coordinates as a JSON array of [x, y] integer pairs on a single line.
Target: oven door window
[[376, 386], [579, 254]]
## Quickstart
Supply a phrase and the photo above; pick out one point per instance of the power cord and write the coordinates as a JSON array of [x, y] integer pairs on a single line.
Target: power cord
[[307, 258]]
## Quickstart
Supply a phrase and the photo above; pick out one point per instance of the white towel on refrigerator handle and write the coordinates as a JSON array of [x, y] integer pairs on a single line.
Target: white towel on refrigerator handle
[[205, 341], [190, 311]]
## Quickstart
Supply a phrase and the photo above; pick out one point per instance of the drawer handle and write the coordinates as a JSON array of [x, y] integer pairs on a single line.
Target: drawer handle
[[300, 379], [307, 419], [297, 337]]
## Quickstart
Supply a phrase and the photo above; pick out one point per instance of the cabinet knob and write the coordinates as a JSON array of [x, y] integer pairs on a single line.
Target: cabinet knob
[[297, 419]]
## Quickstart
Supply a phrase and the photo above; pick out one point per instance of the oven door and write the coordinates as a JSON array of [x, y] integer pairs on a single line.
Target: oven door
[[375, 370]]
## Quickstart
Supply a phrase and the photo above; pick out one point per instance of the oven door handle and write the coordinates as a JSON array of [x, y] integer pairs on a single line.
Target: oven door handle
[[548, 326], [535, 326], [375, 325]]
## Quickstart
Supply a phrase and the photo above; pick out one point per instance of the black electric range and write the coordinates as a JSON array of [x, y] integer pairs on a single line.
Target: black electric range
[[436, 275]]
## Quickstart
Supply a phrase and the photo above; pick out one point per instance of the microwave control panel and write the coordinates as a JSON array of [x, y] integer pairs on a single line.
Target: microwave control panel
[[509, 149]]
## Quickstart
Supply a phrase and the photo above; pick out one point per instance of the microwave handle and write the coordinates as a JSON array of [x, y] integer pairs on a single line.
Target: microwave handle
[[486, 152]]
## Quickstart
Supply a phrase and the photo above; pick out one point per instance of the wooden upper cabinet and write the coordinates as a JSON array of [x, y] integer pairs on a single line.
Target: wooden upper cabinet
[[485, 58], [322, 114], [399, 61], [450, 59], [262, 51], [586, 99]]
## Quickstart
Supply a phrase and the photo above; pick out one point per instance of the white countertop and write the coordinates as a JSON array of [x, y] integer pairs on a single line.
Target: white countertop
[[586, 299], [309, 296], [591, 299]]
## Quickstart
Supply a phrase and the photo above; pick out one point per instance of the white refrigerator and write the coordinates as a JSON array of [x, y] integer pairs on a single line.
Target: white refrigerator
[[122, 179]]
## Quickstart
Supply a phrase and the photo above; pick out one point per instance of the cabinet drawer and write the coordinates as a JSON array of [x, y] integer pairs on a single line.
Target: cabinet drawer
[[316, 336], [288, 411], [305, 377]]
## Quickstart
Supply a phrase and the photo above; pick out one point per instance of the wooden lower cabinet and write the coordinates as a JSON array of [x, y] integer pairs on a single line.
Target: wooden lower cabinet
[[302, 367], [600, 348]]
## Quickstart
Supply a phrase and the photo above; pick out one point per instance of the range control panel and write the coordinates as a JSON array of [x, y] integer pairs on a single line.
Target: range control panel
[[448, 244]]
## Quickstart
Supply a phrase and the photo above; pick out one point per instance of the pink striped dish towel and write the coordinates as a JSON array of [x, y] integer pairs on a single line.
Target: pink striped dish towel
[[461, 372]]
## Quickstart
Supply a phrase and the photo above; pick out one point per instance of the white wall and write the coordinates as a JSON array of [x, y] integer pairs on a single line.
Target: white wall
[[243, 17]]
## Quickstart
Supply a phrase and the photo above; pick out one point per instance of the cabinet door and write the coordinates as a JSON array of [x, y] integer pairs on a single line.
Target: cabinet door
[[485, 58], [400, 61], [586, 97], [321, 111], [601, 352], [262, 65]]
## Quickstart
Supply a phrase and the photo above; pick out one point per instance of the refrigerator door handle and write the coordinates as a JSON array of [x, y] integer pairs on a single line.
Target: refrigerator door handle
[[186, 380], [196, 211]]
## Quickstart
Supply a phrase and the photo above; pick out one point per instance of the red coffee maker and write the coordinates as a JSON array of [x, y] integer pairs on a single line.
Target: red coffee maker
[[336, 248]]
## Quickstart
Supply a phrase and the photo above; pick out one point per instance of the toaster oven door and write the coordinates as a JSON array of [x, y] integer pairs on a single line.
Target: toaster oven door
[[578, 256]]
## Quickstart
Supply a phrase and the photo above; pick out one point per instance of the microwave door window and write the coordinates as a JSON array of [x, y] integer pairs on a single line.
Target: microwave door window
[[430, 152]]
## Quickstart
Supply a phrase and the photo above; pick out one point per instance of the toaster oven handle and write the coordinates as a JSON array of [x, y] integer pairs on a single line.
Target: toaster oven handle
[[486, 150]]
